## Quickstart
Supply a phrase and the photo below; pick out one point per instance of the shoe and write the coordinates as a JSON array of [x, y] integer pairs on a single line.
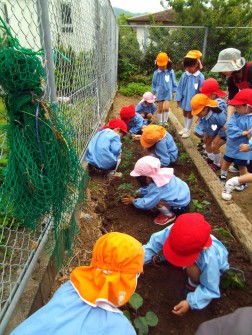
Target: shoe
[[241, 187], [186, 134], [181, 132], [115, 175], [223, 179], [162, 219], [233, 169], [209, 160], [160, 123], [214, 167], [188, 289], [226, 194], [165, 124]]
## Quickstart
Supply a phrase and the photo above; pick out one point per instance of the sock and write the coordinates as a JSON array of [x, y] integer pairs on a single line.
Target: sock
[[165, 116], [223, 173], [217, 158], [159, 117], [234, 181], [189, 123], [185, 122], [191, 283], [164, 210], [210, 155]]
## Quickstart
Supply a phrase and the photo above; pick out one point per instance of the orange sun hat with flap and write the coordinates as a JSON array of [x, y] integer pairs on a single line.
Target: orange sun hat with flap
[[151, 135], [195, 54], [112, 276]]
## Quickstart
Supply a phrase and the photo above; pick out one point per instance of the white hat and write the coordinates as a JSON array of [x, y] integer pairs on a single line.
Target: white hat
[[229, 60]]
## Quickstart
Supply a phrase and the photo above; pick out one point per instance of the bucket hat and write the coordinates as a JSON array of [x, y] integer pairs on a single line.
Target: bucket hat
[[117, 123], [151, 135], [188, 236], [211, 86], [148, 97], [162, 59], [200, 101], [127, 112], [116, 263], [243, 97], [229, 60], [150, 167]]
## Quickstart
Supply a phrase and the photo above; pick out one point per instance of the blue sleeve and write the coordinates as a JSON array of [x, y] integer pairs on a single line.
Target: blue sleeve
[[116, 146], [139, 108], [153, 108], [179, 91], [150, 199], [138, 123], [154, 83], [201, 80], [155, 244], [162, 153], [250, 141], [199, 129], [174, 82], [232, 130]]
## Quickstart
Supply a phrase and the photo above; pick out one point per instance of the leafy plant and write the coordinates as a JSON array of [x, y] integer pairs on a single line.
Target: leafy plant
[[141, 323], [125, 189], [134, 89], [224, 232], [233, 278], [192, 179], [198, 206], [184, 158]]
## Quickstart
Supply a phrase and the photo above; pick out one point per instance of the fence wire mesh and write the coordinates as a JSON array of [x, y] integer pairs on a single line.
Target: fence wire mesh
[[79, 40]]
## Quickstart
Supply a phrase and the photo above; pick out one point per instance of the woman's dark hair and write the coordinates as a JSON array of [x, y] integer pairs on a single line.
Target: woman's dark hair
[[141, 180], [190, 62]]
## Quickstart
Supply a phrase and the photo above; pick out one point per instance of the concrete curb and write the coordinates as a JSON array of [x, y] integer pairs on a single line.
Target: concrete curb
[[238, 222]]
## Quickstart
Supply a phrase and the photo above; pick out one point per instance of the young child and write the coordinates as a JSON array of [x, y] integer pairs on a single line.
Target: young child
[[164, 85], [88, 303], [188, 244], [146, 107], [104, 150], [211, 121], [133, 120], [159, 143], [233, 182], [239, 131], [189, 85], [160, 188]]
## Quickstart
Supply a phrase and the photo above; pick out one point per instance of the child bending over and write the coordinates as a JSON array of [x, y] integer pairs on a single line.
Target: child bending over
[[134, 121], [146, 107]]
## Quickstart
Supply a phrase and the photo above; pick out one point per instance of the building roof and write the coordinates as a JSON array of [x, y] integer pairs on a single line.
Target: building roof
[[165, 17]]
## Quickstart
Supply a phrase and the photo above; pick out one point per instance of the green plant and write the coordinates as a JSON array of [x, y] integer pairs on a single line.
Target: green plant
[[184, 158], [198, 206], [192, 179], [224, 232], [233, 278], [134, 89], [125, 189], [141, 323]]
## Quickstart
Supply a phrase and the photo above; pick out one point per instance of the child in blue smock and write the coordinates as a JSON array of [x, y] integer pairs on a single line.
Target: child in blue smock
[[188, 244], [159, 143], [189, 85], [160, 189], [88, 303], [210, 124], [104, 150], [239, 131], [164, 85], [146, 107], [134, 121]]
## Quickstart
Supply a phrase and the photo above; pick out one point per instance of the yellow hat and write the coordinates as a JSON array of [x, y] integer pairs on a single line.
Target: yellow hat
[[200, 101], [112, 276], [194, 54], [162, 59], [151, 135]]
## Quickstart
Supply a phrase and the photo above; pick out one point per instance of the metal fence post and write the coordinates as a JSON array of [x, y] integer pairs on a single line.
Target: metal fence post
[[205, 43], [98, 60], [44, 27]]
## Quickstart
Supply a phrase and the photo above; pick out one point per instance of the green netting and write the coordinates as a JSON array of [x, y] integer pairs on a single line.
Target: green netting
[[43, 177]]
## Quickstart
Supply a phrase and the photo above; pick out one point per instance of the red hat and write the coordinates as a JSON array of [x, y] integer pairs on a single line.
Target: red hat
[[127, 112], [117, 123], [188, 236], [244, 97], [211, 86]]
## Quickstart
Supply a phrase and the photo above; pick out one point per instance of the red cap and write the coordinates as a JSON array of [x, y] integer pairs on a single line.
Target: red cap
[[244, 97], [188, 236], [211, 86], [117, 123], [127, 112]]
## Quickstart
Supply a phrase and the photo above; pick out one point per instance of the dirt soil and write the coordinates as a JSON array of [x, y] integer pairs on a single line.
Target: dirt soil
[[161, 286]]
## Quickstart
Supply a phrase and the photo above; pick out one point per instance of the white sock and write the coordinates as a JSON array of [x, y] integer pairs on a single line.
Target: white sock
[[233, 181], [185, 122], [164, 210], [165, 116], [223, 173], [189, 123], [210, 155], [217, 159], [191, 283], [159, 117]]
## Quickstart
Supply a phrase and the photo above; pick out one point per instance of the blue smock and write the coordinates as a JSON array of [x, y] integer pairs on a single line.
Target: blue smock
[[164, 84], [188, 86], [235, 126], [141, 107], [66, 313], [136, 123], [104, 150], [175, 193], [212, 262], [212, 123], [166, 150]]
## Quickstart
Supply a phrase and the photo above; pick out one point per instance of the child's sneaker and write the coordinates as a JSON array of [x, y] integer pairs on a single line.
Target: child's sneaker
[[186, 134], [233, 169], [241, 187], [226, 194], [223, 179], [181, 132], [165, 124], [215, 167], [209, 160], [162, 219], [115, 175]]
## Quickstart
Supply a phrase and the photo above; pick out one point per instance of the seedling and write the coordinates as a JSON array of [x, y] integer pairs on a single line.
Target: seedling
[[198, 206], [233, 278], [184, 158], [192, 179], [141, 323], [125, 189], [224, 232]]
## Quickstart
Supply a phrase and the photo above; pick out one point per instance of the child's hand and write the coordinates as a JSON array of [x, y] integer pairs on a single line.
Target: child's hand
[[181, 308], [244, 147], [136, 137], [128, 201]]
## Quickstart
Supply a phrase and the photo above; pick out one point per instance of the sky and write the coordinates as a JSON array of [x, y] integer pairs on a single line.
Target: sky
[[138, 6]]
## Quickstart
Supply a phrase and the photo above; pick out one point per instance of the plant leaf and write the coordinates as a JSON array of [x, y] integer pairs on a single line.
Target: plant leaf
[[151, 319], [136, 301], [127, 314], [141, 324]]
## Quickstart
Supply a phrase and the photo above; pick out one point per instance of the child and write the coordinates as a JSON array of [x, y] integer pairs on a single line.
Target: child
[[164, 85], [232, 183], [160, 143], [133, 120], [160, 189], [211, 121], [104, 150], [189, 85], [88, 303], [188, 244], [239, 130], [146, 107]]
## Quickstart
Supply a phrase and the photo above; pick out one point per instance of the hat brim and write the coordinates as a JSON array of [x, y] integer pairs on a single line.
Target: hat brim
[[134, 174], [220, 93], [198, 110], [236, 102], [162, 63], [146, 144], [228, 66]]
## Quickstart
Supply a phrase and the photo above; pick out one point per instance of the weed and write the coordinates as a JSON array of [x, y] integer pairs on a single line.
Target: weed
[[184, 158], [224, 232], [198, 206], [233, 278], [192, 180], [141, 323], [125, 189]]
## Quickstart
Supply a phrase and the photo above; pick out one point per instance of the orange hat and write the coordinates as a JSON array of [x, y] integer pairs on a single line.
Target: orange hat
[[151, 135], [112, 276], [162, 59], [194, 54], [188, 237], [200, 101], [127, 112], [117, 123]]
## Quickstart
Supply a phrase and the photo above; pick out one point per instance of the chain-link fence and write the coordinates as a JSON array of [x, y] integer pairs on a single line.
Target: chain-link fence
[[139, 45], [79, 40]]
